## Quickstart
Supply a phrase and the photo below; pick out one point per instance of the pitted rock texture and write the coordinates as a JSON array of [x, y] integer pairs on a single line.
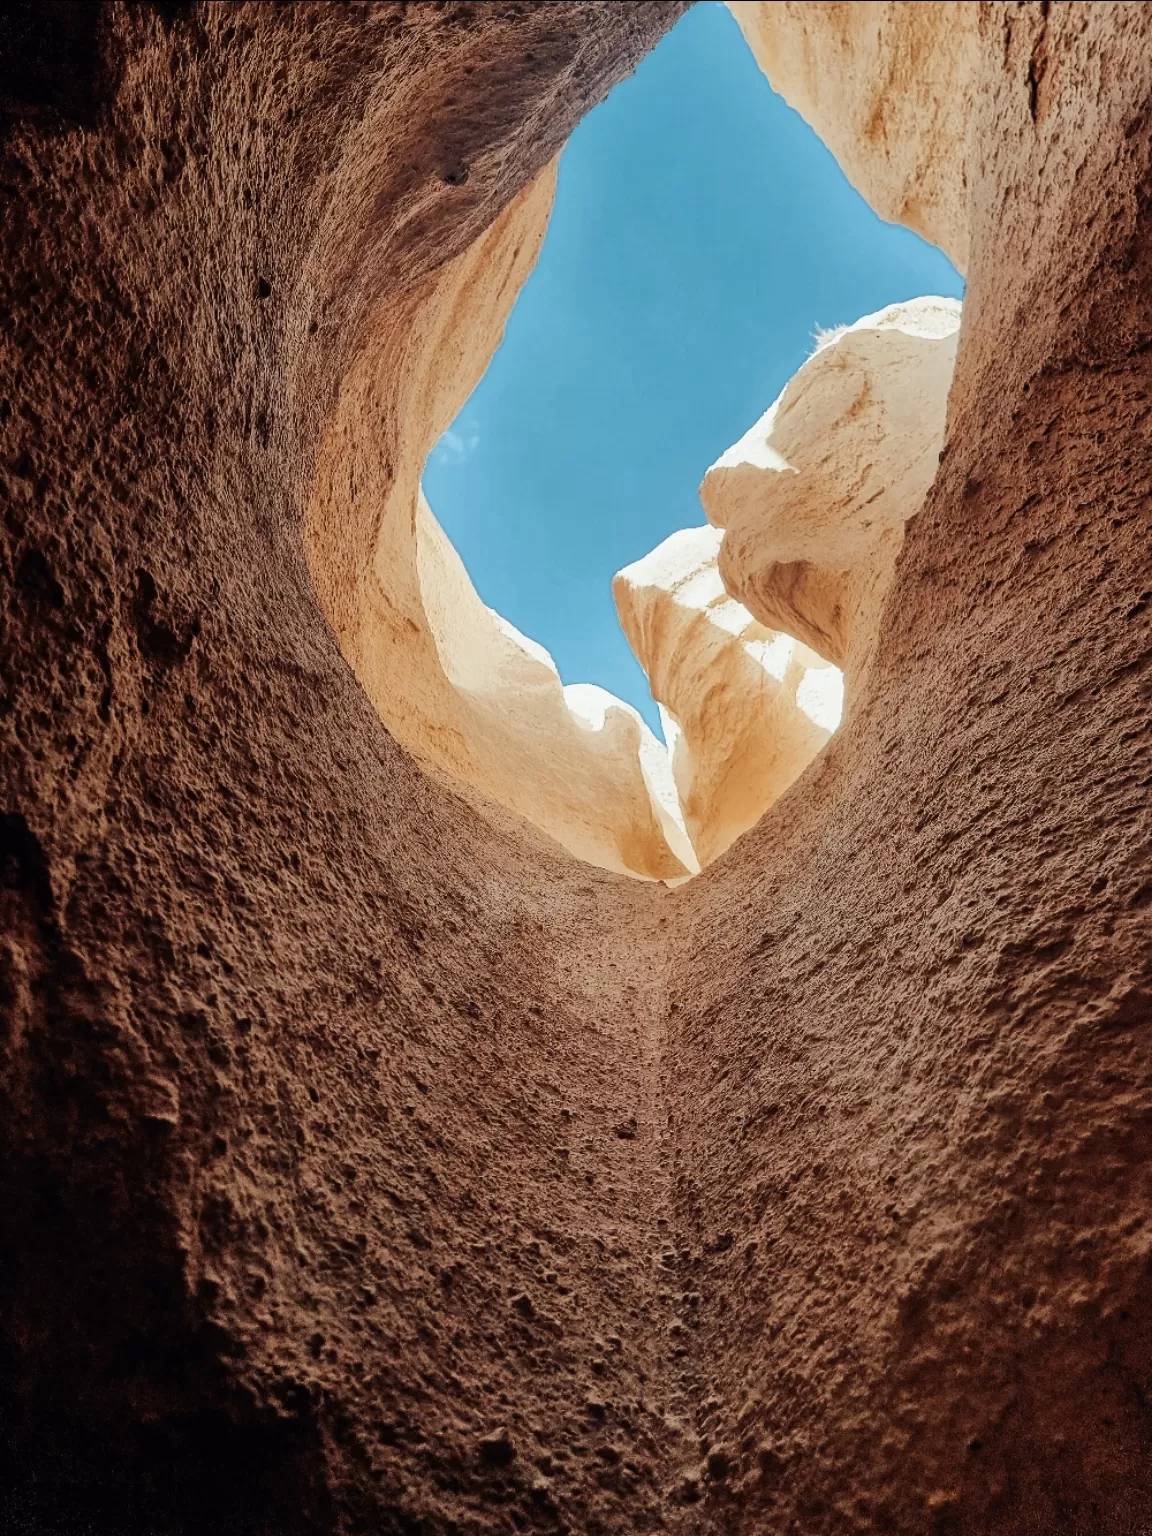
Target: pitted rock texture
[[304, 1197], [745, 708], [369, 1164], [814, 497]]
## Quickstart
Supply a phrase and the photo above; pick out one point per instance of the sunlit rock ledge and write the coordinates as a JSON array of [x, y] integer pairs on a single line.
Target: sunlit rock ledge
[[745, 708], [868, 78], [814, 497]]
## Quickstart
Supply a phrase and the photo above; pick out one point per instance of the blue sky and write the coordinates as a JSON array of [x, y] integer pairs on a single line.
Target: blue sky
[[701, 234]]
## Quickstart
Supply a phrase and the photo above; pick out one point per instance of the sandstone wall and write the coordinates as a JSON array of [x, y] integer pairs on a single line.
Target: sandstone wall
[[908, 1058], [369, 1164], [323, 1197]]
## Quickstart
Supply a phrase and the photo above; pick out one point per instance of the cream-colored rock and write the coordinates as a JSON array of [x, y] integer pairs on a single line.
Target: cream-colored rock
[[813, 499], [885, 83], [745, 708], [470, 697]]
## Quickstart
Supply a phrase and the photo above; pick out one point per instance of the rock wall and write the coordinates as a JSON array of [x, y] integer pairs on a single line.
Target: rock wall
[[368, 1163], [814, 497], [325, 1202]]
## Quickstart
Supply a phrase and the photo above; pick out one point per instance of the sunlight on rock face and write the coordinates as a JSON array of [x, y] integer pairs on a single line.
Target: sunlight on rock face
[[868, 79], [745, 708], [808, 508], [814, 497], [579, 762], [741, 626], [593, 706], [821, 696]]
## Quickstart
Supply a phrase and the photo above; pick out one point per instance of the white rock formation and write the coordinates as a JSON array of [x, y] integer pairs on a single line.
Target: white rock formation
[[470, 697], [813, 498], [745, 708], [884, 84]]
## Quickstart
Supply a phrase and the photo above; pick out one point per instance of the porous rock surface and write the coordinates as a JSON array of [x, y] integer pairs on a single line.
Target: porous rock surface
[[368, 1164], [814, 497], [745, 708]]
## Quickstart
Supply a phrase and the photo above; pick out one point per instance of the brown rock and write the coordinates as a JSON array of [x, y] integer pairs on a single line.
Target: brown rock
[[497, 1449], [239, 922]]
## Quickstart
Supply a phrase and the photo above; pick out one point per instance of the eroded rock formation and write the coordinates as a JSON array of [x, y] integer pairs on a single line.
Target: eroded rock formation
[[815, 496], [745, 708], [370, 1164], [458, 686], [888, 86], [812, 502]]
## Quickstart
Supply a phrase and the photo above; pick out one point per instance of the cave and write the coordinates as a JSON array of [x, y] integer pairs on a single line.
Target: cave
[[371, 1163]]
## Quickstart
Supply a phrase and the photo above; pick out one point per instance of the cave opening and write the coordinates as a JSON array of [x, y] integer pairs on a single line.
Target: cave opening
[[576, 645], [370, 1165]]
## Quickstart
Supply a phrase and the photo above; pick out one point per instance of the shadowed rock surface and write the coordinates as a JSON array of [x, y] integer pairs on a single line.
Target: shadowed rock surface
[[369, 1164]]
